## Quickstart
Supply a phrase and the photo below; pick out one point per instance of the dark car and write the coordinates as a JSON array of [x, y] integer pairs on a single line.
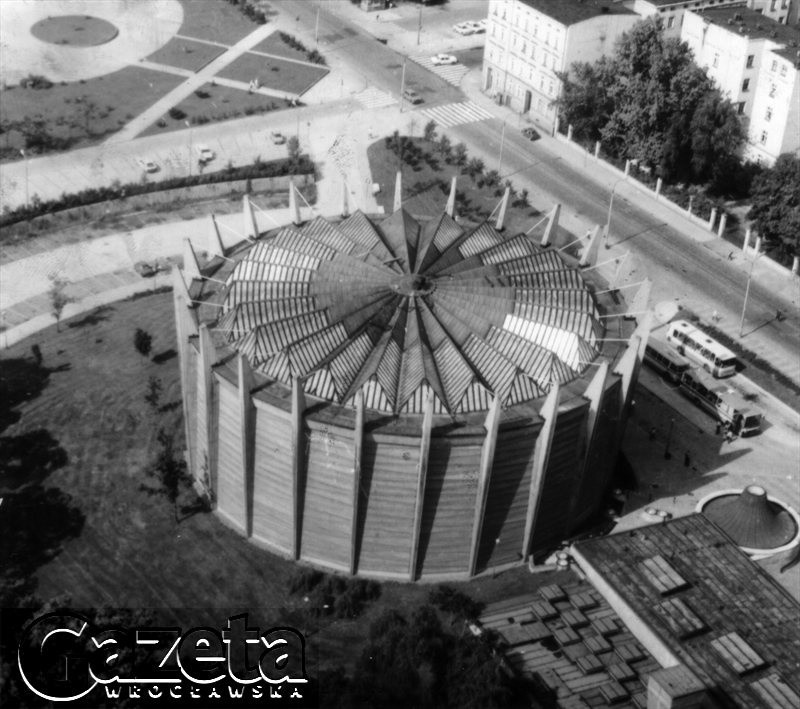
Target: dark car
[[412, 96], [531, 133]]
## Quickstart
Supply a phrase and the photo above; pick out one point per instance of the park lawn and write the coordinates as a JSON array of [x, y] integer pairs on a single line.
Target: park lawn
[[426, 189], [223, 103], [186, 54], [94, 434], [276, 74], [119, 97], [215, 21], [74, 30], [275, 45]]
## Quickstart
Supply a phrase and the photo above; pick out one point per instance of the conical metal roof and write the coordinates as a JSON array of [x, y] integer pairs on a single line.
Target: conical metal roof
[[751, 520], [400, 307]]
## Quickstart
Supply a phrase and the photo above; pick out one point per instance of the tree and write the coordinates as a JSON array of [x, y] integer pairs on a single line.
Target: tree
[[153, 395], [444, 146], [776, 205], [460, 154], [168, 470], [293, 148], [429, 132], [142, 341], [58, 298], [713, 128], [585, 102]]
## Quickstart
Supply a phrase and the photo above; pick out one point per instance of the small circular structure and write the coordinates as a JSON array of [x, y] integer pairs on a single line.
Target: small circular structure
[[74, 30], [402, 397], [761, 525]]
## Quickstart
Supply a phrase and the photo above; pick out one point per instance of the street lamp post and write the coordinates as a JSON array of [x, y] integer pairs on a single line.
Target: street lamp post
[[25, 159], [316, 28], [608, 215], [419, 23], [502, 142], [189, 126], [747, 294], [402, 85]]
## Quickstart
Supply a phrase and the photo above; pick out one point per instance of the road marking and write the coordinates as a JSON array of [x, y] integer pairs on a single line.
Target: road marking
[[373, 97], [453, 114]]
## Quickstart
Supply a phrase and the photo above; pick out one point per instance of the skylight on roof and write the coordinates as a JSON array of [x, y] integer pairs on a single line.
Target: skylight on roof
[[661, 574]]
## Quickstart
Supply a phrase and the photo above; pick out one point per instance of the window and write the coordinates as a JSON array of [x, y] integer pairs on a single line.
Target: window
[[774, 66], [670, 21], [750, 61], [746, 85], [772, 5], [716, 60], [740, 108], [772, 90], [763, 137], [783, 69], [768, 114]]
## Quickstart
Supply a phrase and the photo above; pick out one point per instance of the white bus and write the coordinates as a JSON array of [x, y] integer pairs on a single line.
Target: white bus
[[661, 357], [696, 345], [728, 407]]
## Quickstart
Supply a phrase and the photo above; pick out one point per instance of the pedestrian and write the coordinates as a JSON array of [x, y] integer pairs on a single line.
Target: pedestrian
[[377, 18], [686, 459], [37, 354], [719, 428]]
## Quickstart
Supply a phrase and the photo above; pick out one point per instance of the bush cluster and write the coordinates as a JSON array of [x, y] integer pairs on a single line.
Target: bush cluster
[[274, 168], [252, 13], [311, 54], [35, 81], [333, 595]]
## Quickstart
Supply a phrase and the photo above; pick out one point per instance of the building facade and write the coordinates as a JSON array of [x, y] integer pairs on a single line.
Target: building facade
[[400, 398], [529, 42], [786, 12], [755, 61]]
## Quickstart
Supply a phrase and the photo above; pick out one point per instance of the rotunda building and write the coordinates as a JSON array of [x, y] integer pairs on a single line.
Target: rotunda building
[[400, 397]]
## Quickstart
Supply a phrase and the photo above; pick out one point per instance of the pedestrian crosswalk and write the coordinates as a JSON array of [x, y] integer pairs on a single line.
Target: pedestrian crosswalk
[[451, 73], [373, 97], [454, 114]]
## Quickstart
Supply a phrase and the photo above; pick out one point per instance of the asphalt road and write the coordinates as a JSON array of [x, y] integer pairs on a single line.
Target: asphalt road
[[678, 264]]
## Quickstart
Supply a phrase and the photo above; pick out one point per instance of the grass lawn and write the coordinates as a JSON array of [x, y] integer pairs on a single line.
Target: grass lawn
[[215, 21], [118, 97], [186, 54], [74, 30], [80, 434], [275, 74], [222, 104], [275, 45], [426, 187]]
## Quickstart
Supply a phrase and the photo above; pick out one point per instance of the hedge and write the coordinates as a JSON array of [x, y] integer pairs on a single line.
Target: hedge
[[272, 168]]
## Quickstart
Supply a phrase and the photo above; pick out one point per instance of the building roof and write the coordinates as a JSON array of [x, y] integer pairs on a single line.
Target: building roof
[[404, 309], [751, 520], [710, 605], [570, 12], [569, 640], [741, 20]]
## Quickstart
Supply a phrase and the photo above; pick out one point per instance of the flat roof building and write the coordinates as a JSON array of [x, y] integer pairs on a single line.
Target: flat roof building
[[693, 599]]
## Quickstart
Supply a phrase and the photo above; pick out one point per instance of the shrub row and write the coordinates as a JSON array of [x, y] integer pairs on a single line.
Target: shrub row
[[250, 12], [311, 54], [273, 168]]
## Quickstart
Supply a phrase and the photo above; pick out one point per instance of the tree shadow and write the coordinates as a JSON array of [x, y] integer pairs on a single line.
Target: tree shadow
[[164, 356], [28, 459], [98, 315], [20, 380], [171, 406]]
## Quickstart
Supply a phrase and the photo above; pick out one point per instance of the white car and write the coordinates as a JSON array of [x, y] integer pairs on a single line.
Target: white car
[[439, 59], [465, 28], [481, 25], [147, 164], [204, 154]]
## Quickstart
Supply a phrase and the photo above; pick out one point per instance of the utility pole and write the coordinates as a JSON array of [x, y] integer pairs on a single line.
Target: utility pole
[[746, 295], [419, 23], [402, 85], [189, 126], [316, 28], [502, 142], [25, 158]]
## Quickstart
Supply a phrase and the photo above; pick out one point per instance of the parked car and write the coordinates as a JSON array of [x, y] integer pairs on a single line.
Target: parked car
[[439, 59], [480, 25], [412, 96], [205, 154], [147, 164], [277, 138], [531, 133], [465, 28]]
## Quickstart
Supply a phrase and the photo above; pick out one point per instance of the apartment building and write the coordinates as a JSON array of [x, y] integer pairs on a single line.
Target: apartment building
[[671, 11], [787, 12], [528, 42], [755, 61]]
